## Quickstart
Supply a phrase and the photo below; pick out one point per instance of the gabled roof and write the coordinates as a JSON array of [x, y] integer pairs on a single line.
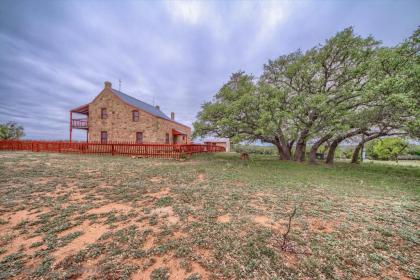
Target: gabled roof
[[140, 104]]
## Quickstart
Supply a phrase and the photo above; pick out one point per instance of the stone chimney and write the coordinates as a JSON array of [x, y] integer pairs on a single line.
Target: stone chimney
[[157, 107], [172, 116], [108, 84]]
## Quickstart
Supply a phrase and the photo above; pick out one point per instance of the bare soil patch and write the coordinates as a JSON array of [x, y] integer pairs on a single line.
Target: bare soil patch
[[90, 233], [316, 224], [224, 218], [166, 213], [110, 207], [175, 269]]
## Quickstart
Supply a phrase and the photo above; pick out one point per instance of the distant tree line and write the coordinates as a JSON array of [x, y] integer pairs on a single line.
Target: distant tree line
[[392, 148], [350, 87]]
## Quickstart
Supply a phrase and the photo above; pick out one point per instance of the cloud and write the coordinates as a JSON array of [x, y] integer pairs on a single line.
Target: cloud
[[190, 12]]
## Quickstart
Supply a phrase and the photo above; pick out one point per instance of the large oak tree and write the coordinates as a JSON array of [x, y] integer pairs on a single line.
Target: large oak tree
[[347, 88]]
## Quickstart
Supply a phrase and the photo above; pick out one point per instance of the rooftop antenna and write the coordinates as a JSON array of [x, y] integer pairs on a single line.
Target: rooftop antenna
[[119, 84]]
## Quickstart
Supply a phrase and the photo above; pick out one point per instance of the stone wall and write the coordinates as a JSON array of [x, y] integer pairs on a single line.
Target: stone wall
[[121, 127]]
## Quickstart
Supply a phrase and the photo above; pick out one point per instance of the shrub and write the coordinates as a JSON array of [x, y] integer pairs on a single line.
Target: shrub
[[413, 150], [386, 149], [254, 149]]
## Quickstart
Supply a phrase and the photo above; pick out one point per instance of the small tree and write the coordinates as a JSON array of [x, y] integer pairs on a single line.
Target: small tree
[[11, 130], [388, 148]]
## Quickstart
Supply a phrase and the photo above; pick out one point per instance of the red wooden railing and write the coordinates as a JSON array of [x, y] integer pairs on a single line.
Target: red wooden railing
[[79, 123], [110, 148]]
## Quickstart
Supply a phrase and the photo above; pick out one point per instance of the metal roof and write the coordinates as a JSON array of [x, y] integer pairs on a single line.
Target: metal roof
[[140, 104]]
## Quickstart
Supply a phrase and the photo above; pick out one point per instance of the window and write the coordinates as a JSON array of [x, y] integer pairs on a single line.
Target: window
[[104, 115], [167, 138], [139, 137], [104, 136], [135, 116]]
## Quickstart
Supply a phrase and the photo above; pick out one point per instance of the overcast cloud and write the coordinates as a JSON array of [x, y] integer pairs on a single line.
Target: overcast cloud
[[55, 55]]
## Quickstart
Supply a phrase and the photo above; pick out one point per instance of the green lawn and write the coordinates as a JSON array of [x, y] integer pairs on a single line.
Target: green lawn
[[208, 217], [415, 163]]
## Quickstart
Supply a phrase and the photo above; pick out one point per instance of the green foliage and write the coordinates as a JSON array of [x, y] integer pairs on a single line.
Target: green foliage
[[11, 265], [232, 109], [161, 273], [414, 150], [194, 276], [164, 201], [344, 152], [387, 148], [11, 130], [347, 87], [253, 149]]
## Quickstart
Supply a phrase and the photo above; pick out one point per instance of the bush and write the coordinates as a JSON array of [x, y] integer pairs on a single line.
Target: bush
[[413, 150], [253, 149], [386, 149], [344, 152]]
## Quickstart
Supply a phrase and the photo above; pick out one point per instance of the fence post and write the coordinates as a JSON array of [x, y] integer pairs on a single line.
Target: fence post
[[112, 149]]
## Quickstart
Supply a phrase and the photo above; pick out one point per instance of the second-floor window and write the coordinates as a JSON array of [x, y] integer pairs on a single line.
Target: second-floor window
[[104, 137], [139, 137], [104, 114], [167, 138], [136, 116]]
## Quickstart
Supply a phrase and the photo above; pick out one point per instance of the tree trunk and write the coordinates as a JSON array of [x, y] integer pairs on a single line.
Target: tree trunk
[[331, 151], [283, 152], [356, 152], [290, 146], [280, 152], [315, 147], [312, 154], [298, 151], [286, 153], [337, 141], [355, 156], [301, 145], [303, 153], [282, 147]]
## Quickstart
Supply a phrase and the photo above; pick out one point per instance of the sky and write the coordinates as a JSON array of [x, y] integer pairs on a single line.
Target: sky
[[56, 55]]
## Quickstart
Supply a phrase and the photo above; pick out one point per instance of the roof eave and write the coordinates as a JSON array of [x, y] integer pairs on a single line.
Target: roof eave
[[84, 109]]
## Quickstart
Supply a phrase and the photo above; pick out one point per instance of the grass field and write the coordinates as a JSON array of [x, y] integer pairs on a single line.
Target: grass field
[[415, 163], [209, 217]]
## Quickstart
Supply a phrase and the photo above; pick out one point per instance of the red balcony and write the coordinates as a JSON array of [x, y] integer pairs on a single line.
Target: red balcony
[[79, 123]]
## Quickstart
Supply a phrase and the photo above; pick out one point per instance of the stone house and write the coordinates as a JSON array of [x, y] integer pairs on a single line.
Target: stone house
[[115, 116]]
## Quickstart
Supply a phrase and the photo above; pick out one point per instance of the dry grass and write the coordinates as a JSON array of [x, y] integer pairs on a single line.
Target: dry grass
[[210, 217]]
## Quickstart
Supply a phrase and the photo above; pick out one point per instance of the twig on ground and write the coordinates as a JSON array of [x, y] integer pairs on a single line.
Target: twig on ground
[[289, 225]]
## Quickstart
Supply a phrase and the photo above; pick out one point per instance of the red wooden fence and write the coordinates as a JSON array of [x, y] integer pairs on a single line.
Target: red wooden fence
[[110, 148]]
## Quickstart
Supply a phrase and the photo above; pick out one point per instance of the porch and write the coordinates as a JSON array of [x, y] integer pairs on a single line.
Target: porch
[[79, 123], [179, 137]]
